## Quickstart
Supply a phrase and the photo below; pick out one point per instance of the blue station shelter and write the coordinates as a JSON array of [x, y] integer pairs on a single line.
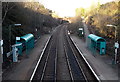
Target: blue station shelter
[[97, 43], [27, 42]]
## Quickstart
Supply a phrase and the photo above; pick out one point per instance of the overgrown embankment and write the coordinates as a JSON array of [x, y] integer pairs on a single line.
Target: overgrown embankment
[[97, 18]]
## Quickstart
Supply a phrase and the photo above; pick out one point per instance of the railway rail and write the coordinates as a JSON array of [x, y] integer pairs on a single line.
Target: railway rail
[[73, 64], [47, 67], [87, 71]]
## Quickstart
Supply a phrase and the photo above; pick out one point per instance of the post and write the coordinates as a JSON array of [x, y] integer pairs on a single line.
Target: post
[[9, 38], [15, 52], [115, 55], [10, 27], [1, 47], [116, 45]]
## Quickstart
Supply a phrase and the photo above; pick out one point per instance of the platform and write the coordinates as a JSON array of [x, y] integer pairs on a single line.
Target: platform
[[101, 64], [23, 69]]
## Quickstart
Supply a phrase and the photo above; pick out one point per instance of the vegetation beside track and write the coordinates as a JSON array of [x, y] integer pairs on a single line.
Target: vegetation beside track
[[97, 17]]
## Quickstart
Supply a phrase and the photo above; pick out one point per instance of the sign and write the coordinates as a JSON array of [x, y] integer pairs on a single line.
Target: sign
[[17, 38], [116, 45], [16, 45], [80, 28], [9, 53], [1, 42]]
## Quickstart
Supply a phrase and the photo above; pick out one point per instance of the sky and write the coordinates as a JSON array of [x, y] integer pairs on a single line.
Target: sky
[[67, 7]]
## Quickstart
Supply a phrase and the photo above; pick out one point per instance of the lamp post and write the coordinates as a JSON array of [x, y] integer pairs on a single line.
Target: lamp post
[[10, 26], [116, 45], [1, 50]]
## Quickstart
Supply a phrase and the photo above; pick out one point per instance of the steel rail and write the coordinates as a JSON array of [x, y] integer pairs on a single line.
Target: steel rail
[[31, 78], [68, 63], [69, 67], [79, 68], [46, 61], [97, 78], [76, 58], [56, 61], [53, 46], [49, 43], [48, 58], [90, 67], [68, 43]]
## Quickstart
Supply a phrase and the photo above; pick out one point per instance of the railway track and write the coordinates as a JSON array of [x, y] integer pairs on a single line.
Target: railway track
[[76, 72], [46, 70], [86, 70], [48, 67]]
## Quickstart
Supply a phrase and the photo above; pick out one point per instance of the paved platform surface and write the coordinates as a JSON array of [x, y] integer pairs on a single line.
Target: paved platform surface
[[24, 69], [102, 64]]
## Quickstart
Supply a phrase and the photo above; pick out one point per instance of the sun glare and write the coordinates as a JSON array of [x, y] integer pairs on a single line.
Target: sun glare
[[67, 7]]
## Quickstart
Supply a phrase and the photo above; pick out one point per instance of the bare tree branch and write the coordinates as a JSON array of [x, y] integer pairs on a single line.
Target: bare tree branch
[[6, 11]]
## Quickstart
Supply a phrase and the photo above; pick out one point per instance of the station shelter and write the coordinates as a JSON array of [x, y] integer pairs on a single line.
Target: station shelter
[[27, 43], [96, 43]]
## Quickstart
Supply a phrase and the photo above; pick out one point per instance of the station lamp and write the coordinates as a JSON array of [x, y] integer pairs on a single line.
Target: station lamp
[[116, 45]]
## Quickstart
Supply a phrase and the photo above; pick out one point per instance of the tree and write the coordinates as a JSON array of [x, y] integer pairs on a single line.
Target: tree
[[6, 7], [80, 12]]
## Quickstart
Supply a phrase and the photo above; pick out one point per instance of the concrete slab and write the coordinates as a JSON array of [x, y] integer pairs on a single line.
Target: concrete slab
[[24, 69], [102, 65]]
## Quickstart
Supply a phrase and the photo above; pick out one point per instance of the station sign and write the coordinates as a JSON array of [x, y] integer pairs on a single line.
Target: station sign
[[80, 28], [17, 38], [116, 45]]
